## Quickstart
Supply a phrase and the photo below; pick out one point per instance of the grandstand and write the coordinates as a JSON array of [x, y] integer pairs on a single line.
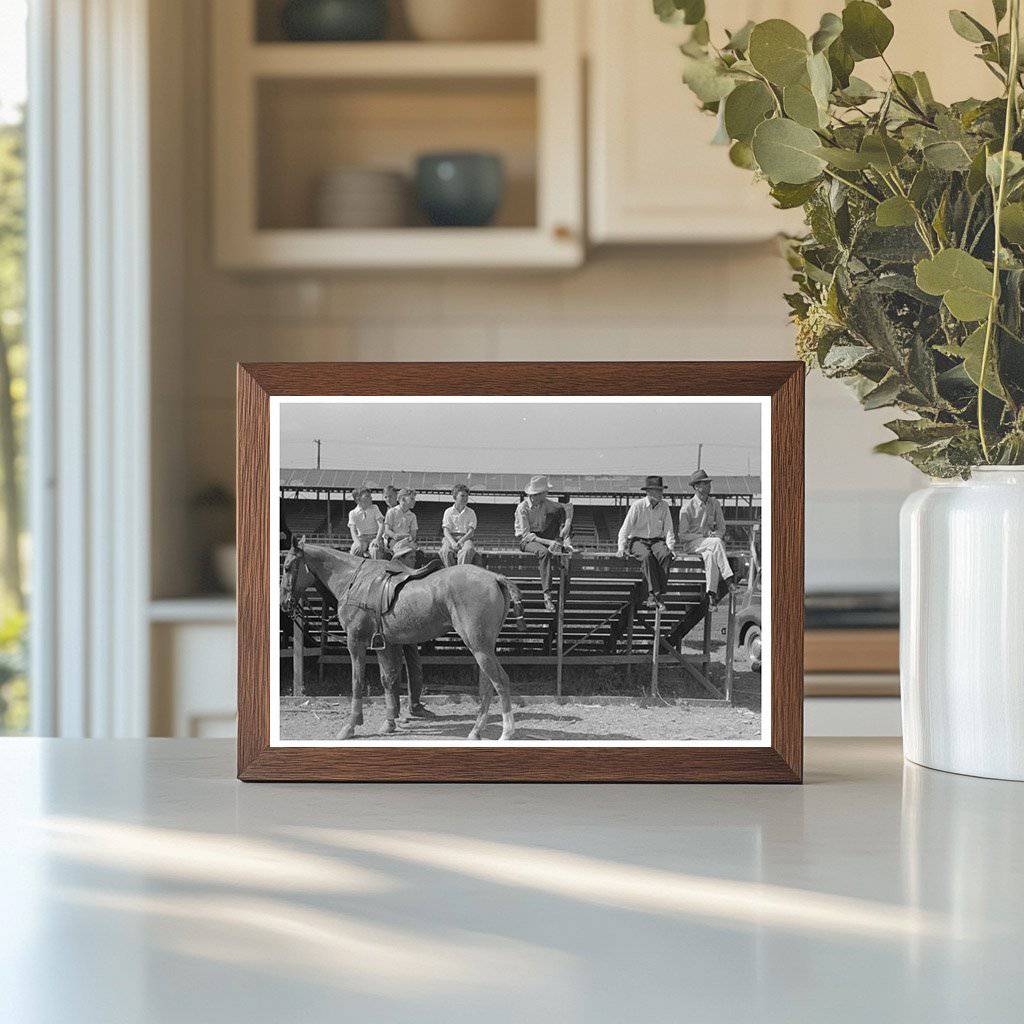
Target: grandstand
[[599, 618], [317, 502]]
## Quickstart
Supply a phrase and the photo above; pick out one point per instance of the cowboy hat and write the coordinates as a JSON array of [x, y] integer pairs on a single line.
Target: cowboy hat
[[653, 483], [538, 485], [700, 477]]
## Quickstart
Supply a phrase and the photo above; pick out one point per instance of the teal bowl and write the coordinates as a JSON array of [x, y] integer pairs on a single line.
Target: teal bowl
[[334, 21], [462, 190]]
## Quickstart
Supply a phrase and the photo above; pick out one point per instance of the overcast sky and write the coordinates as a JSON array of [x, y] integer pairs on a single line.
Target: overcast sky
[[490, 437]]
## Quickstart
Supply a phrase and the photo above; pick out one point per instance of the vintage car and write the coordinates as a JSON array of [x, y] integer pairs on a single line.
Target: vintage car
[[748, 627]]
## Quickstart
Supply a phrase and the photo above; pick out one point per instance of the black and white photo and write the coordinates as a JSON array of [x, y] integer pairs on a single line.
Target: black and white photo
[[525, 570]]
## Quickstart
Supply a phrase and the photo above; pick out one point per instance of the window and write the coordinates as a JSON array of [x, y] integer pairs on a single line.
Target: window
[[14, 691]]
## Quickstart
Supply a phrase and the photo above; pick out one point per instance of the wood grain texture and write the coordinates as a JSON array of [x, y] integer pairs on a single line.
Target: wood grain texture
[[781, 762], [852, 650]]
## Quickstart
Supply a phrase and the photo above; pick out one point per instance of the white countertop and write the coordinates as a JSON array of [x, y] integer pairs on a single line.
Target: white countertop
[[140, 882]]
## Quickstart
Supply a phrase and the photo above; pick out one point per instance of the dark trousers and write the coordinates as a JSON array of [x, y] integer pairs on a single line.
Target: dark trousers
[[655, 559], [551, 530], [544, 558]]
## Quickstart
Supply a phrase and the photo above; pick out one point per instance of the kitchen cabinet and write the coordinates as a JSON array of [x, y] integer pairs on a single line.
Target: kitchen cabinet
[[287, 114], [653, 175]]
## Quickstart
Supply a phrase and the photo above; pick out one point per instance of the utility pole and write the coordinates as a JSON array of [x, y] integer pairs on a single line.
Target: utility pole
[[318, 443]]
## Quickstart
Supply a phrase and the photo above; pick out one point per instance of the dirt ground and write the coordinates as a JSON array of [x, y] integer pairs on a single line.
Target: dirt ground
[[589, 712], [321, 718]]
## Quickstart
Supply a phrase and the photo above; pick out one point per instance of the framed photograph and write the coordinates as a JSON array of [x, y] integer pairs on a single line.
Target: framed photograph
[[565, 572]]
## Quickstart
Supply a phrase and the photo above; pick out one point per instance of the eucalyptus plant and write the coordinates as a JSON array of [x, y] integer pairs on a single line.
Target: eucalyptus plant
[[910, 277]]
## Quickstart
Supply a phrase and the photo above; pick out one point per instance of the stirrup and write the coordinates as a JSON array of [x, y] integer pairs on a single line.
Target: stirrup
[[377, 641]]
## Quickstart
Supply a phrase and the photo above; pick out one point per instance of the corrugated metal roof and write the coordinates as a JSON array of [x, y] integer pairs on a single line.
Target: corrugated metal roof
[[497, 483]]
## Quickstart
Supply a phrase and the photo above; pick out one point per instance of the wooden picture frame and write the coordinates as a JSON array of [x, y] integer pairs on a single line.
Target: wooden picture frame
[[780, 760]]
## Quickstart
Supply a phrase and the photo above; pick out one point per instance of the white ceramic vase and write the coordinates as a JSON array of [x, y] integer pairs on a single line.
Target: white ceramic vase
[[962, 624]]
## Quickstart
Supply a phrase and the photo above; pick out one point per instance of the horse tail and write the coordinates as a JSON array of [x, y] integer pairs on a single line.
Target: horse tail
[[513, 602]]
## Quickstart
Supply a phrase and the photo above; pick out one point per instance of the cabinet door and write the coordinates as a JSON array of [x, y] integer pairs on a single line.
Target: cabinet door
[[654, 177]]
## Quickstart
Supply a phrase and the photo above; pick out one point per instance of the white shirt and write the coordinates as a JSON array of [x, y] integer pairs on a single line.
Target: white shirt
[[402, 526], [365, 521], [701, 519], [648, 521], [458, 522]]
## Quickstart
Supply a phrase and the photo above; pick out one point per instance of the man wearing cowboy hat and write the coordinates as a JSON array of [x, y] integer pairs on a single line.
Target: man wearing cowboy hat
[[538, 525], [702, 532], [647, 536]]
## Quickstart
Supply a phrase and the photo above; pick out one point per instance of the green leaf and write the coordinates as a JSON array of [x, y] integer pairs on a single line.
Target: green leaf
[[665, 9], [971, 352], [969, 28], [1011, 226], [857, 91], [829, 30], [739, 41], [885, 394], [844, 159], [707, 78], [701, 34], [993, 167], [741, 155], [976, 173], [883, 152], [745, 108], [947, 156], [779, 51], [923, 431], [841, 63], [939, 220], [801, 106], [924, 88], [895, 212], [922, 185], [788, 196], [963, 281], [895, 447], [866, 29], [690, 12], [787, 151], [905, 84], [819, 74]]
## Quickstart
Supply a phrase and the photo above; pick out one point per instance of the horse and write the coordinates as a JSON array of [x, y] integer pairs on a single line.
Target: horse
[[467, 598]]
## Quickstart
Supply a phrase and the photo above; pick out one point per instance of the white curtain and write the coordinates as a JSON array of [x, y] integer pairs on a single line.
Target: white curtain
[[88, 388]]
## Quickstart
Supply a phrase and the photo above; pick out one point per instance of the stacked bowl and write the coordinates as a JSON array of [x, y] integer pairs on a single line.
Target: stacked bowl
[[362, 197]]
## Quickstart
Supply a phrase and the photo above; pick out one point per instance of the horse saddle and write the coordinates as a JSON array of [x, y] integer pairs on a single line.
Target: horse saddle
[[374, 588]]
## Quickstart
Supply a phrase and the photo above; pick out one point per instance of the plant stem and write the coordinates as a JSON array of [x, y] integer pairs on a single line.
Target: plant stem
[[853, 185], [1011, 108]]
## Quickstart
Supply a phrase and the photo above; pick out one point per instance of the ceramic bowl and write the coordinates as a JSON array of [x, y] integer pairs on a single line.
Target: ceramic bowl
[[360, 197], [460, 189], [470, 20], [332, 21]]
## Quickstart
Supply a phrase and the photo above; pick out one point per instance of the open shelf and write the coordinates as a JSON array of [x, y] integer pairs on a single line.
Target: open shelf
[[286, 114], [309, 127], [520, 24]]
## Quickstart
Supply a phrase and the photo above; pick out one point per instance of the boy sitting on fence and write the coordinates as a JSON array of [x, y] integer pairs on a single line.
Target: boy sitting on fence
[[458, 525], [364, 522], [401, 527]]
